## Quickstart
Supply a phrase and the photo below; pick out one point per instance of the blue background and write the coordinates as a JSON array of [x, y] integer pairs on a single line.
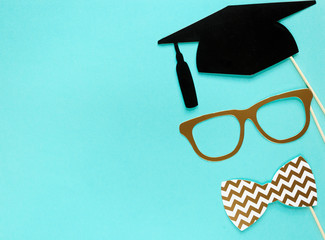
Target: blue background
[[89, 114]]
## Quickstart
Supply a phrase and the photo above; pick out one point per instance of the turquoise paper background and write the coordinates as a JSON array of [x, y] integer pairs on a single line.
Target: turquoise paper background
[[89, 114]]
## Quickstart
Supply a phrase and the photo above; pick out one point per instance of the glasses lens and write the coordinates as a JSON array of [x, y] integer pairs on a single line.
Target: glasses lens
[[282, 119], [217, 136]]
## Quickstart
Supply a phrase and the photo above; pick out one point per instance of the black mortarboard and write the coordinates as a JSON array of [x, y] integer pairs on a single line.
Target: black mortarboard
[[239, 39]]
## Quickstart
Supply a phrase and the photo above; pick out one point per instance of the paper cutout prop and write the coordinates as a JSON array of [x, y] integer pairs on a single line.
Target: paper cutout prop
[[186, 128], [185, 80], [246, 201], [239, 39]]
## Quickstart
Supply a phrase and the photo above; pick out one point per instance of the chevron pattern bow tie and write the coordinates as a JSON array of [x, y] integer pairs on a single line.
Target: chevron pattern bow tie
[[246, 201]]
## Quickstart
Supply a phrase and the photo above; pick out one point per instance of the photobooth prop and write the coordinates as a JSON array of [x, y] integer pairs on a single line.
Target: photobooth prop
[[239, 39], [186, 128], [293, 185]]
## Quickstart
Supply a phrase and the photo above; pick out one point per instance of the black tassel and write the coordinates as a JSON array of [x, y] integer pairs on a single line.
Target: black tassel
[[185, 80]]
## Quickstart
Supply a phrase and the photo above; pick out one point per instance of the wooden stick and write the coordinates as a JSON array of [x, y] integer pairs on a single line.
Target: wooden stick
[[317, 222], [317, 123], [307, 83]]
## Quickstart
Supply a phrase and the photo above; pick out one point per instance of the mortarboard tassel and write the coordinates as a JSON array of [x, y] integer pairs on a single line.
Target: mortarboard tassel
[[185, 80]]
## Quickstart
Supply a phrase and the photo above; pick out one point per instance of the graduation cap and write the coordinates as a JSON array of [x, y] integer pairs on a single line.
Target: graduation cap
[[239, 39]]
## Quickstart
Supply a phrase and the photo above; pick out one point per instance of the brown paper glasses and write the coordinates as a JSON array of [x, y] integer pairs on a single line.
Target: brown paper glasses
[[186, 128]]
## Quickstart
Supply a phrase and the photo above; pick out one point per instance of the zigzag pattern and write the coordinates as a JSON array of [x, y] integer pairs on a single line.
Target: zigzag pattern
[[246, 201]]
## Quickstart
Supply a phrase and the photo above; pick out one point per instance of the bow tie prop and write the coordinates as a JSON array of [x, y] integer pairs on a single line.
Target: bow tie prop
[[293, 185]]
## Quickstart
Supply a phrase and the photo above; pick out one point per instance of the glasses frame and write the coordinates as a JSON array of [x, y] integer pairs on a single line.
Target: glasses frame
[[186, 128]]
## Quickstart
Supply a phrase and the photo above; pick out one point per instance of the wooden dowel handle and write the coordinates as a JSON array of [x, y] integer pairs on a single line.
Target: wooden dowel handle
[[307, 83], [317, 222], [317, 123]]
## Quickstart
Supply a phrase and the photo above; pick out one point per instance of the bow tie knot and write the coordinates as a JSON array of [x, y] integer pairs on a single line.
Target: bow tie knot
[[246, 201]]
